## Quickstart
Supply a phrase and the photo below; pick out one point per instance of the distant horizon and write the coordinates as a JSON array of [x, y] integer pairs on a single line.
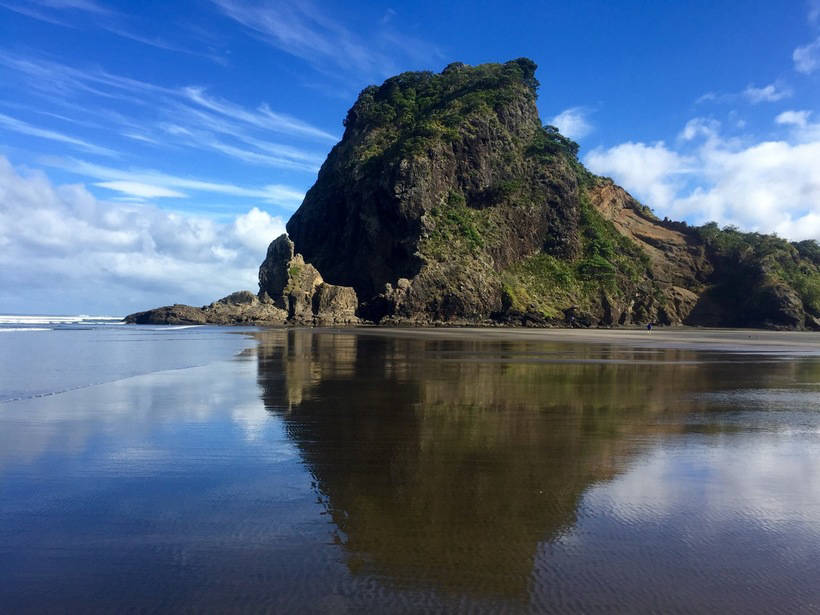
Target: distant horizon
[[149, 154]]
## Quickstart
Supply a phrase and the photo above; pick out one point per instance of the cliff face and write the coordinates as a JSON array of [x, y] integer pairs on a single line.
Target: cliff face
[[447, 200], [429, 184]]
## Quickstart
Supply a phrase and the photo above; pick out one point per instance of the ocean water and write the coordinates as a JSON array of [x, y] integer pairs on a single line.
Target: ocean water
[[162, 469]]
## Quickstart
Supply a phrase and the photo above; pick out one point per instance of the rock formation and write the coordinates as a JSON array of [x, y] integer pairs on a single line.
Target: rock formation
[[290, 292], [239, 308], [297, 287], [447, 201]]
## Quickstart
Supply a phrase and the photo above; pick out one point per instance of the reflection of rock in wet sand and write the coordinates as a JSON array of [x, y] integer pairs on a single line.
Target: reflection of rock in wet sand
[[448, 461]]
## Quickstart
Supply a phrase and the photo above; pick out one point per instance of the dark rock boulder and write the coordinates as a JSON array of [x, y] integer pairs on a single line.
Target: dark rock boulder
[[177, 314], [239, 308]]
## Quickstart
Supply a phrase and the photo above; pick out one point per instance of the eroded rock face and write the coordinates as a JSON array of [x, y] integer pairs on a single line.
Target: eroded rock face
[[397, 200], [298, 288], [273, 273], [335, 304], [447, 201]]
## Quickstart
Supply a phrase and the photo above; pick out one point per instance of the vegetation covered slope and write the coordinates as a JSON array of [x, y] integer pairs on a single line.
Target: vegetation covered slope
[[447, 200]]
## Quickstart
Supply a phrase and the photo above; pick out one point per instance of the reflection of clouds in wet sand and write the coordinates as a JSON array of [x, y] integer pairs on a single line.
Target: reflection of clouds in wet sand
[[751, 477], [447, 460], [130, 410], [705, 523]]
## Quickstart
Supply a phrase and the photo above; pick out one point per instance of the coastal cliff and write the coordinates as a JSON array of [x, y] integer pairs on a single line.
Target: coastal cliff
[[448, 201]]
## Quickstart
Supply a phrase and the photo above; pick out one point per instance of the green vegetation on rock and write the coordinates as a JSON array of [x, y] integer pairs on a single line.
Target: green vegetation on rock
[[751, 265], [448, 200]]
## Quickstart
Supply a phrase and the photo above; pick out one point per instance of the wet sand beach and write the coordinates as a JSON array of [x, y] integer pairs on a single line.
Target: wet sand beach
[[412, 470]]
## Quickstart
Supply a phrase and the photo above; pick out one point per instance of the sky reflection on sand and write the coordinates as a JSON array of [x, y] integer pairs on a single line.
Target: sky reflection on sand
[[370, 471]]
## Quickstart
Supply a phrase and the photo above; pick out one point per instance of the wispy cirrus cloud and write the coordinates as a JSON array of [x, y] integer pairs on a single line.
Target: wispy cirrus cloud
[[19, 126], [263, 117], [307, 32], [767, 93], [275, 194], [55, 77], [64, 12], [807, 57], [188, 115], [140, 190], [78, 5], [35, 13], [753, 94]]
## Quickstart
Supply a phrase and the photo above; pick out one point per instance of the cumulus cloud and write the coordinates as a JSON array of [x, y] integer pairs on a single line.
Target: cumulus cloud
[[653, 172], [807, 58], [572, 122], [794, 118], [803, 130], [63, 250], [700, 127], [768, 93], [771, 186]]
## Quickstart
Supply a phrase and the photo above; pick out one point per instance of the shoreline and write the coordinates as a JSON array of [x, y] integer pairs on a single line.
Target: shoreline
[[695, 338]]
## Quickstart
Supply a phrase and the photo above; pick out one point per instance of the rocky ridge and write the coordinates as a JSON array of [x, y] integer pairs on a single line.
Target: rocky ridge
[[447, 201]]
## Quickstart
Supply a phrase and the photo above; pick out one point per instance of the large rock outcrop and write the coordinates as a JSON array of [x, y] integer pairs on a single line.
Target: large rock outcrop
[[447, 200]]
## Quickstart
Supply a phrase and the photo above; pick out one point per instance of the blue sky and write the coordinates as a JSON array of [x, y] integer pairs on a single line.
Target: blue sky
[[149, 151]]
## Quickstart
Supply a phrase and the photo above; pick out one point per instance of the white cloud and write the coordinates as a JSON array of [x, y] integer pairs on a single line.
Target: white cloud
[[188, 114], [653, 172], [807, 58], [751, 94], [771, 186], [64, 250], [138, 189], [15, 125], [814, 11], [768, 93], [700, 127], [572, 122], [275, 194], [262, 118], [802, 129], [308, 32], [256, 229], [794, 118]]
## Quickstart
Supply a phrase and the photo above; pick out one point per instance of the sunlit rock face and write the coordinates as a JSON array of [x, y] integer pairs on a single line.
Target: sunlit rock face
[[298, 288], [447, 200]]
